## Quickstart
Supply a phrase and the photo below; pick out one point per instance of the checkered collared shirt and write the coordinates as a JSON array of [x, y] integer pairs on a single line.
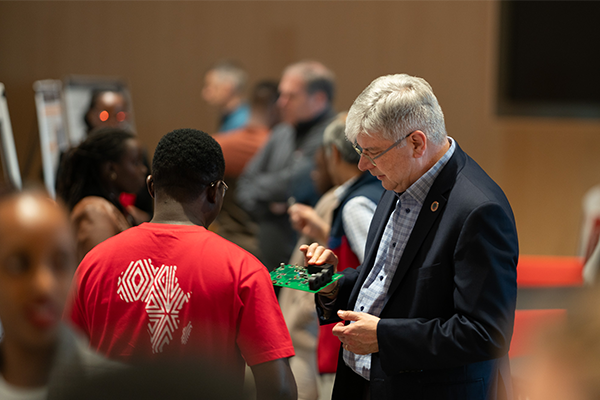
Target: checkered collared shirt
[[395, 236]]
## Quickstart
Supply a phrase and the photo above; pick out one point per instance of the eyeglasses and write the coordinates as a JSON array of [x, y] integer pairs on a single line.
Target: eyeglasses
[[225, 187], [119, 116], [360, 151]]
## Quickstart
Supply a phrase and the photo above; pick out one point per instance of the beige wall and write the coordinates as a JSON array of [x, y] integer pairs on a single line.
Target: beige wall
[[162, 48]]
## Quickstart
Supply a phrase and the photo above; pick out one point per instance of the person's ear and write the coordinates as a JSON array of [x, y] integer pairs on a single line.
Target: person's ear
[[418, 143], [332, 160], [150, 185], [319, 100], [335, 154], [212, 193], [108, 171]]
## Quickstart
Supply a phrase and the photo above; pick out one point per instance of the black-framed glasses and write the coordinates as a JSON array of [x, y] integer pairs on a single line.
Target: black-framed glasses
[[360, 151], [225, 187]]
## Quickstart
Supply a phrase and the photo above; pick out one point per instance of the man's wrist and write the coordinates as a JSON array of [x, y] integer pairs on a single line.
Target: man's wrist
[[333, 292]]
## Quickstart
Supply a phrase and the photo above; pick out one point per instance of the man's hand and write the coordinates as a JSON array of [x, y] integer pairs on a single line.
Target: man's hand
[[316, 254], [305, 220], [359, 337]]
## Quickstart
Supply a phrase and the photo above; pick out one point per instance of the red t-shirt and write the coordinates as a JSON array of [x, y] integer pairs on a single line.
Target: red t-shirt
[[159, 290]]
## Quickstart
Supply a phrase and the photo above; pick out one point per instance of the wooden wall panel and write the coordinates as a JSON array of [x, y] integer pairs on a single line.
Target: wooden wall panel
[[163, 48]]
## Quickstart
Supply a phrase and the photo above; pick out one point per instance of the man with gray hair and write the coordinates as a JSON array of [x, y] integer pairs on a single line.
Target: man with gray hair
[[429, 313], [224, 87], [281, 170]]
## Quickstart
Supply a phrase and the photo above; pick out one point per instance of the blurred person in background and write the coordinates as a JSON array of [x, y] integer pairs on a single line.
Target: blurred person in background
[[93, 175], [110, 109], [239, 146], [170, 289], [224, 88], [298, 307], [281, 170], [356, 195], [107, 109], [40, 357]]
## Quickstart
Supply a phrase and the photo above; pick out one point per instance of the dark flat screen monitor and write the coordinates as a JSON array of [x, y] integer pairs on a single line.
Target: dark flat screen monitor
[[549, 59]]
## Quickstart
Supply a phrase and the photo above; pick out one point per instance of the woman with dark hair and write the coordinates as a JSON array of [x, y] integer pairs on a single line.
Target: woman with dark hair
[[93, 175], [110, 108]]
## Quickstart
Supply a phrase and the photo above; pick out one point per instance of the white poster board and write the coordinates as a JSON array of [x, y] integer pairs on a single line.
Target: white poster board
[[53, 136], [77, 95], [8, 151]]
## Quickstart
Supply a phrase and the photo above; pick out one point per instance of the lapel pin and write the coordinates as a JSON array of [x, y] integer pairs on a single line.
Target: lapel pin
[[434, 206]]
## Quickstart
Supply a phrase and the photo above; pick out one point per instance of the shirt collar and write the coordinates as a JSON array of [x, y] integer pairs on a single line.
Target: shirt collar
[[420, 188]]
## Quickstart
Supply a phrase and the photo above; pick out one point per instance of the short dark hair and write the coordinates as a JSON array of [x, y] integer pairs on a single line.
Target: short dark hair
[[184, 162], [265, 94], [321, 84]]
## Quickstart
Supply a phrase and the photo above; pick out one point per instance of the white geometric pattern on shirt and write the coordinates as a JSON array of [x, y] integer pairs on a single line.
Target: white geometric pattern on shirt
[[159, 289], [186, 332]]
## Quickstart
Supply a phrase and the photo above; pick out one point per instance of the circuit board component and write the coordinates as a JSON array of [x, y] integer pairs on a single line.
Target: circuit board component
[[309, 279]]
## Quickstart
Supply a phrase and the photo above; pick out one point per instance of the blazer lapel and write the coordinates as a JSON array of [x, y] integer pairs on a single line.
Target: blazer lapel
[[432, 209]]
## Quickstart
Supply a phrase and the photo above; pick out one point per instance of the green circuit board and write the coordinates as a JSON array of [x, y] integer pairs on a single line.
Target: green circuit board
[[308, 279]]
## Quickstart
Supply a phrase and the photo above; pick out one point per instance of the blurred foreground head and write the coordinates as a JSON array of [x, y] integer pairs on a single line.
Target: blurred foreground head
[[566, 361], [37, 261]]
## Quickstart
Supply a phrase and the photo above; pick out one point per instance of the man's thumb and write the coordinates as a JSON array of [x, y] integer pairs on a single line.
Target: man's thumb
[[348, 315]]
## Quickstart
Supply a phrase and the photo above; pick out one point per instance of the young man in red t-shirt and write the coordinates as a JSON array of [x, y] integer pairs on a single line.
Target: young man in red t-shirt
[[172, 289]]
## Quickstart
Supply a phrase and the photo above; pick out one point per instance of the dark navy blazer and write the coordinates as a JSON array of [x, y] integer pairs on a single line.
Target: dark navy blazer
[[448, 317]]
